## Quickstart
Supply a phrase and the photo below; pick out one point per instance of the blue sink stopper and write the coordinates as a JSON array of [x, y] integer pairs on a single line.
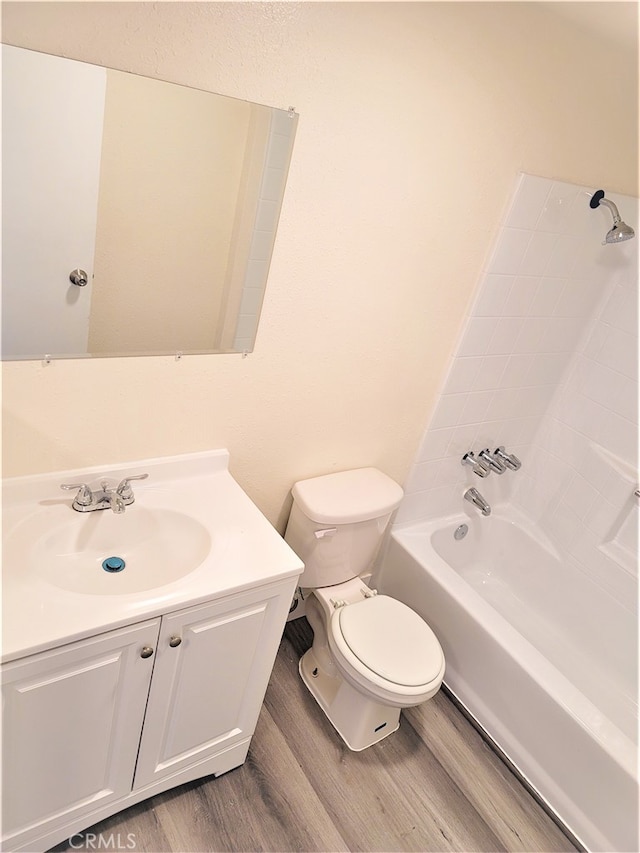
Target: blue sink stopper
[[113, 564]]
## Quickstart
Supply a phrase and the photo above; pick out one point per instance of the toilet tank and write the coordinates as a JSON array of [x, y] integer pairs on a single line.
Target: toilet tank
[[337, 522]]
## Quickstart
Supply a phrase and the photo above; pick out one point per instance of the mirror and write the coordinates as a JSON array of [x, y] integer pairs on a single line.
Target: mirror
[[139, 216]]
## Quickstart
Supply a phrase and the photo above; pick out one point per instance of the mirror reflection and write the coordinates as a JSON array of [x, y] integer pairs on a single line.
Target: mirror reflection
[[139, 216]]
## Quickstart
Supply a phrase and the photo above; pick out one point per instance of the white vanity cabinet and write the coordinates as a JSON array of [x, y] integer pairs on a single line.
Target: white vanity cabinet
[[96, 725], [210, 676], [72, 718]]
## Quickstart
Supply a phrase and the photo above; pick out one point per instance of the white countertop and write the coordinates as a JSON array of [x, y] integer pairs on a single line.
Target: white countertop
[[246, 551]]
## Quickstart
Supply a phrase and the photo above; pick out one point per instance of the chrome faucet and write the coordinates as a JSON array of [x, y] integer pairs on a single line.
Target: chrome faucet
[[494, 463], [116, 501], [473, 496], [507, 459], [105, 497], [478, 466]]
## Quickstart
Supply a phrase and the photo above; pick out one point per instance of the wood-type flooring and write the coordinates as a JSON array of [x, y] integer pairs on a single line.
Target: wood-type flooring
[[434, 785]]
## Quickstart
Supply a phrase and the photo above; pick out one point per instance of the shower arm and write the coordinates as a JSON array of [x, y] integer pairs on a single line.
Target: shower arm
[[614, 210]]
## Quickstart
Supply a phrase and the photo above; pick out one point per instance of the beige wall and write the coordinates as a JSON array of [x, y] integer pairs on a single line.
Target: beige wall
[[164, 231], [414, 122]]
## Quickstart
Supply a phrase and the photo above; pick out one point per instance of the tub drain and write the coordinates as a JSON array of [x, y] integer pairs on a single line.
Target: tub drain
[[461, 532], [113, 564]]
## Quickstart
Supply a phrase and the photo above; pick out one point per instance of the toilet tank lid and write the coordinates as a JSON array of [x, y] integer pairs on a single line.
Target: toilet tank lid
[[347, 496]]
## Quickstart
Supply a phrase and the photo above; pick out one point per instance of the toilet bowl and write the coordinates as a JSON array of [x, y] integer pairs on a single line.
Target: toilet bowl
[[371, 654]]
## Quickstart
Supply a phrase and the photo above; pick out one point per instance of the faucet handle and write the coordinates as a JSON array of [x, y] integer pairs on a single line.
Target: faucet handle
[[493, 462], [508, 459], [124, 490], [84, 496], [478, 466]]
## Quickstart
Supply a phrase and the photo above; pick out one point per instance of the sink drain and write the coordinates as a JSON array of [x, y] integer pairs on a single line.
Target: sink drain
[[113, 564]]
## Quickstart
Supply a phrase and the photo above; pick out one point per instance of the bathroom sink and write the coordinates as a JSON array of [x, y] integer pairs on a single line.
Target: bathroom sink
[[101, 553], [191, 535]]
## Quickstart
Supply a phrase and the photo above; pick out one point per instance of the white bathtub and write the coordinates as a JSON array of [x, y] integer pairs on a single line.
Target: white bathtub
[[549, 673]]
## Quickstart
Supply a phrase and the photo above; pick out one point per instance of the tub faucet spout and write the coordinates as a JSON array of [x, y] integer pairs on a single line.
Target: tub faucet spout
[[473, 496]]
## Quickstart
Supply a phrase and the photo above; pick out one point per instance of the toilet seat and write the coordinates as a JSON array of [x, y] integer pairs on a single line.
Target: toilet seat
[[384, 648]]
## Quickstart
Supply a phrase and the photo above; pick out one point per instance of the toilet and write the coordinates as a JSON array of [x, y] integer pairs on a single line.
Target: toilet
[[371, 654]]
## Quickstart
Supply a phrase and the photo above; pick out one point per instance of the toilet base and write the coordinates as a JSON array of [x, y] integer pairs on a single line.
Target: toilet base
[[359, 721]]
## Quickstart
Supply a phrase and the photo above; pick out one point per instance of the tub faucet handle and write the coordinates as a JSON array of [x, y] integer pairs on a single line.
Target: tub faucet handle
[[478, 466], [508, 459], [494, 462]]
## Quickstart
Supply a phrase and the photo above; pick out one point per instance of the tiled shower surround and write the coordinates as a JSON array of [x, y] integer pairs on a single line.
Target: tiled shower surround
[[547, 365]]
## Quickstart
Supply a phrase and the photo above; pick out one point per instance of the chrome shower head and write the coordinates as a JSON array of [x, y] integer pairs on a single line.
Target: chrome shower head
[[620, 231]]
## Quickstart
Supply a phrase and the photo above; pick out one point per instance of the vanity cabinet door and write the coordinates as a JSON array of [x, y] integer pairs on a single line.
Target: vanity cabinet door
[[72, 718], [211, 673]]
